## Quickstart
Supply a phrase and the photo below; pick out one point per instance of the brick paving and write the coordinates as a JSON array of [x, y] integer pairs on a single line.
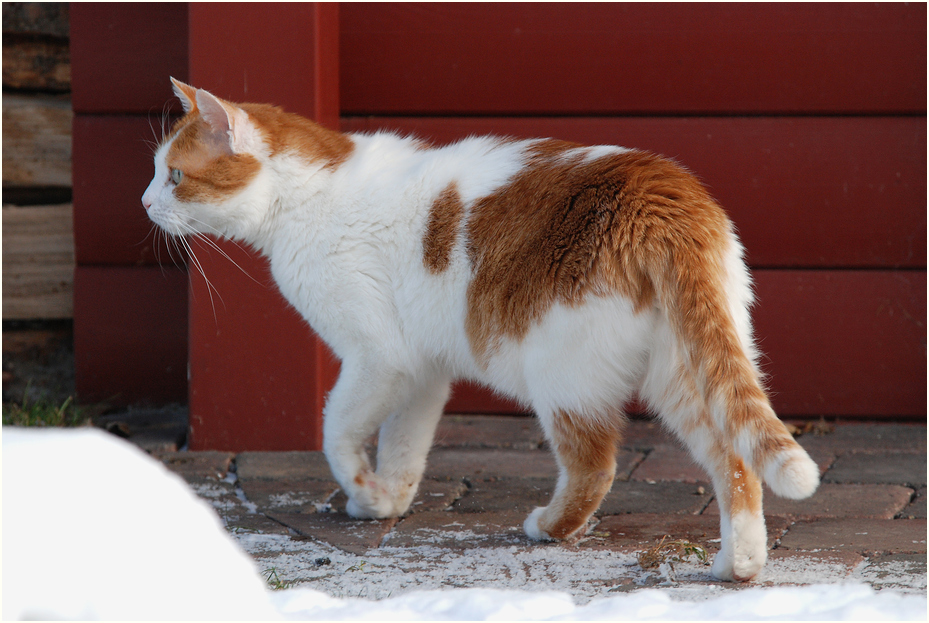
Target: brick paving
[[486, 473]]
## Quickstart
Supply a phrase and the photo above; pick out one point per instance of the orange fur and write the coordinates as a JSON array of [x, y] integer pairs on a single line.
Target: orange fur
[[586, 451], [442, 229]]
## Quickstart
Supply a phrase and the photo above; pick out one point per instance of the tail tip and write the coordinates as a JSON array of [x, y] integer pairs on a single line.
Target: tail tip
[[793, 474]]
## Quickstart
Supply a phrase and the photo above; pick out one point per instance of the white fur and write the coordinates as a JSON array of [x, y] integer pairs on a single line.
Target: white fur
[[743, 550], [346, 249]]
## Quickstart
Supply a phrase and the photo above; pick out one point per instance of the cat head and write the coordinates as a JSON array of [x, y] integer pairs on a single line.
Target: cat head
[[211, 170]]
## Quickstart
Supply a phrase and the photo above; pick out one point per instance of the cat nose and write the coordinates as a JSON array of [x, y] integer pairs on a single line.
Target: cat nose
[[146, 203]]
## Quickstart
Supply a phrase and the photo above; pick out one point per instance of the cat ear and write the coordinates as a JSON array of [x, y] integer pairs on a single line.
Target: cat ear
[[230, 121], [186, 93]]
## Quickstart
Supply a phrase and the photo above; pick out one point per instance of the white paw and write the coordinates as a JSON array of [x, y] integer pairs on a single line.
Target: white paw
[[744, 550], [722, 566], [370, 498], [531, 526]]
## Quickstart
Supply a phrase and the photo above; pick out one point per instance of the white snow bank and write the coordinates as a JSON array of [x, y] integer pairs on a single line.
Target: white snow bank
[[96, 529]]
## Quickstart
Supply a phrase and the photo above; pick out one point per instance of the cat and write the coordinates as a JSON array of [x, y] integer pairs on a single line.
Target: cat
[[570, 278]]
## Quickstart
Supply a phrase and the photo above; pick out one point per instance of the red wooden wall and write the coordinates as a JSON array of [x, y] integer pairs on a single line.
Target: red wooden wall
[[806, 121]]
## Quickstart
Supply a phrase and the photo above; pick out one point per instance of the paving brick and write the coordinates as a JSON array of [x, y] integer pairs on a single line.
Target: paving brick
[[865, 536], [916, 508], [638, 496], [669, 462], [460, 530], [196, 465], [282, 466], [478, 464], [643, 435], [879, 468], [475, 431], [435, 495], [219, 493], [634, 532], [807, 567], [894, 571], [832, 500], [512, 494], [254, 522], [289, 496], [356, 536], [869, 438]]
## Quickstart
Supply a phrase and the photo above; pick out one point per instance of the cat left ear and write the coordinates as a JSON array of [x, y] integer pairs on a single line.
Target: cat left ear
[[228, 120], [186, 93]]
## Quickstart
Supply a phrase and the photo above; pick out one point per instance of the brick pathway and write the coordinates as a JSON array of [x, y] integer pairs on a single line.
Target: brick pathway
[[486, 473]]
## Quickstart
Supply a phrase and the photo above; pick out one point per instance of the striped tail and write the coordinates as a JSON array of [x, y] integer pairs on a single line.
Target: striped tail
[[679, 240]]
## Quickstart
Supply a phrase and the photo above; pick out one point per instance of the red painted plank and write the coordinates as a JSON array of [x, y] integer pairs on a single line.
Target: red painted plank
[[112, 166], [835, 343], [844, 342], [258, 376], [632, 58], [122, 54], [130, 335], [824, 192]]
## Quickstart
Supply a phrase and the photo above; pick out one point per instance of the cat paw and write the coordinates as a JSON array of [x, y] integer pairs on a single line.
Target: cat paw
[[531, 526], [737, 568], [370, 498], [744, 551]]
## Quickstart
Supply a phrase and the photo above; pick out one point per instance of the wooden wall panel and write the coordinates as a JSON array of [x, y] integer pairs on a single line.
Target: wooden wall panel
[[130, 335], [632, 58], [122, 54], [112, 168], [844, 342]]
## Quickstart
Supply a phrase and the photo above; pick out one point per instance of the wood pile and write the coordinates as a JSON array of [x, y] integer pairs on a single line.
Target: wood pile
[[38, 241]]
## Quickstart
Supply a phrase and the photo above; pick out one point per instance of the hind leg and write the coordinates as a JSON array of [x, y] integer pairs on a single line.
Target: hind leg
[[586, 454], [744, 550], [743, 543]]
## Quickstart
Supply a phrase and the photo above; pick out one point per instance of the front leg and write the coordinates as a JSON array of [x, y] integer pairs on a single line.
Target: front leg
[[406, 437], [363, 398]]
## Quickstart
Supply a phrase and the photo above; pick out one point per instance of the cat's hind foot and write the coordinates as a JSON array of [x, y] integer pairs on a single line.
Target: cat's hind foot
[[744, 549], [540, 526]]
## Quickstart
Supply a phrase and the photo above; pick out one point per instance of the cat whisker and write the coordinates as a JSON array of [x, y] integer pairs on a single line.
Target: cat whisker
[[212, 244], [210, 288]]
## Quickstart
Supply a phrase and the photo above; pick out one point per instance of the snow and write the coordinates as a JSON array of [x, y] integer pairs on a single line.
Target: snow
[[96, 529]]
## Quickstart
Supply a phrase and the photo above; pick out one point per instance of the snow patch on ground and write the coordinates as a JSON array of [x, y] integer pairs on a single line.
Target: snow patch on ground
[[96, 529]]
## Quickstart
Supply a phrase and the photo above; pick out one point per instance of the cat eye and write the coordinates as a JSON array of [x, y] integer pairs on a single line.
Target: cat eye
[[176, 176]]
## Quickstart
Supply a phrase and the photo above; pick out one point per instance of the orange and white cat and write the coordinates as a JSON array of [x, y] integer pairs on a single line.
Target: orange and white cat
[[570, 278]]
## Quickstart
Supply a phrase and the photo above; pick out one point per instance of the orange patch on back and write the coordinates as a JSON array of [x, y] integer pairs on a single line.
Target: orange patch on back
[[566, 227], [442, 229]]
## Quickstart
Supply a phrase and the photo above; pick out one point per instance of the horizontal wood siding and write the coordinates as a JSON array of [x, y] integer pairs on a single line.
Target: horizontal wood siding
[[110, 224], [38, 262], [632, 58], [130, 334]]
